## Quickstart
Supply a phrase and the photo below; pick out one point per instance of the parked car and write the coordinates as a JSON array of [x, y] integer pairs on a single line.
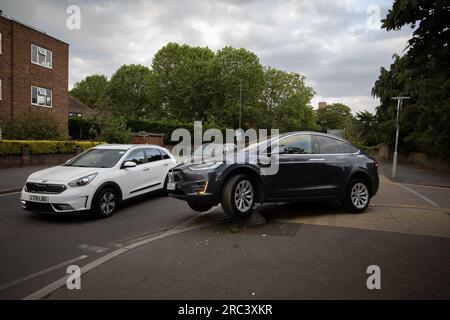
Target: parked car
[[312, 166], [98, 180]]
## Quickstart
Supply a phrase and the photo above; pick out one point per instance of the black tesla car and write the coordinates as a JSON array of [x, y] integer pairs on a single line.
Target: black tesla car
[[310, 166]]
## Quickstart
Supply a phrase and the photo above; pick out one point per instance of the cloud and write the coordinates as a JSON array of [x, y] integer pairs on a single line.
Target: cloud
[[329, 42]]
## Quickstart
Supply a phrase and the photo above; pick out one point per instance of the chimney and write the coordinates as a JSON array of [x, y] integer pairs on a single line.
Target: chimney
[[322, 105]]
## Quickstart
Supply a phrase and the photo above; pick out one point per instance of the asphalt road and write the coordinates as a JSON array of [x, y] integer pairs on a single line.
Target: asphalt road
[[32, 243], [304, 250]]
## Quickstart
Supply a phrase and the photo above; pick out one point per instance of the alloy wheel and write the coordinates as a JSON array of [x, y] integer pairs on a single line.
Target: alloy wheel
[[360, 195], [108, 203], [243, 196]]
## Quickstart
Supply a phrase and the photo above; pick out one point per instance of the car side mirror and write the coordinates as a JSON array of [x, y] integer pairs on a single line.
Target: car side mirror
[[129, 164]]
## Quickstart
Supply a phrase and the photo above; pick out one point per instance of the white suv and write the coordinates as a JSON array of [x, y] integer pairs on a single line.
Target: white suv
[[98, 179]]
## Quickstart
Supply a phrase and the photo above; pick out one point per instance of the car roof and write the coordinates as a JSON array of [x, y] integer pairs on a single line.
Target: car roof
[[313, 133], [126, 146]]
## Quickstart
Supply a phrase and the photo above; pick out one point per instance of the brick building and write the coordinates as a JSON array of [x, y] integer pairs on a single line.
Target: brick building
[[34, 73]]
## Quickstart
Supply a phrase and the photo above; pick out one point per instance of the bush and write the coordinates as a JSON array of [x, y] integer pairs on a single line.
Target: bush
[[14, 147], [372, 150], [33, 126], [114, 130]]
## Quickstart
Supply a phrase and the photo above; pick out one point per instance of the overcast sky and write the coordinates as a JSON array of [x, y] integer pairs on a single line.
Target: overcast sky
[[335, 44]]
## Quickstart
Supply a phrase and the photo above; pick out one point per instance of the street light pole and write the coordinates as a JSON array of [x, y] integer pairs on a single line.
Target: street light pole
[[240, 105], [397, 133]]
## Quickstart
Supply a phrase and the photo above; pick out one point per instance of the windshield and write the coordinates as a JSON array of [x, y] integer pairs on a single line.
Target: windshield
[[97, 158], [214, 149]]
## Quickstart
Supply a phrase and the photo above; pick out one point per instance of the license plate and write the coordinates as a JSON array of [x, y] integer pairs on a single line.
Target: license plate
[[36, 198], [171, 186]]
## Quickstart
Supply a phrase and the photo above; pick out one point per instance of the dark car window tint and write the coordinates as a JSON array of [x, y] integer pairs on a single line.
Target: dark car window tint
[[299, 144], [164, 155], [333, 146], [153, 155], [137, 157]]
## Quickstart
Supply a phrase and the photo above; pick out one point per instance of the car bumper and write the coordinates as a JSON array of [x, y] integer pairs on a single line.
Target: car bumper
[[69, 201], [198, 187], [375, 185]]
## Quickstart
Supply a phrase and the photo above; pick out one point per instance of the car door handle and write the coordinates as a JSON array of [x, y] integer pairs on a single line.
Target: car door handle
[[165, 165], [146, 169]]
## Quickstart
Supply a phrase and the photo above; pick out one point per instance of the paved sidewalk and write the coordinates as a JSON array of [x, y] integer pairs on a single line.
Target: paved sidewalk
[[414, 175], [13, 179]]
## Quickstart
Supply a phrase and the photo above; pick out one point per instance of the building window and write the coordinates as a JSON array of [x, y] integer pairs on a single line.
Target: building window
[[1, 43], [41, 97], [41, 56], [1, 90]]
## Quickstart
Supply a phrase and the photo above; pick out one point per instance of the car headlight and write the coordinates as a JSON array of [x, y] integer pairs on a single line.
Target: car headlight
[[205, 166], [83, 181]]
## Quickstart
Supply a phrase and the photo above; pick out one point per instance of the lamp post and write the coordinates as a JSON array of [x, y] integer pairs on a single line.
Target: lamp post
[[239, 133], [240, 105], [399, 108]]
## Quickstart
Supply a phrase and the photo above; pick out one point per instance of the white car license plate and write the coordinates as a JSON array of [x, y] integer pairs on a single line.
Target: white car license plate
[[36, 198], [171, 186]]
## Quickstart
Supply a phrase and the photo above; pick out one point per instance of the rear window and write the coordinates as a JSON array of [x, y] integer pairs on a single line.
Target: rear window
[[333, 146], [153, 155]]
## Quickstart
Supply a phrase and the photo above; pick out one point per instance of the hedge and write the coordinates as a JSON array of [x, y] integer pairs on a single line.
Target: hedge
[[166, 127], [79, 127], [14, 147]]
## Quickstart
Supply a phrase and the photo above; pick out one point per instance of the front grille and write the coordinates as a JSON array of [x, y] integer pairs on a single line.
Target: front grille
[[44, 188], [39, 207]]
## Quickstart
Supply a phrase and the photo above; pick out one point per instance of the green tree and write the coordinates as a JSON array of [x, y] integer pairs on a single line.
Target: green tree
[[236, 72], [114, 130], [423, 73], [183, 80], [367, 126], [334, 116], [285, 102], [132, 92], [92, 91]]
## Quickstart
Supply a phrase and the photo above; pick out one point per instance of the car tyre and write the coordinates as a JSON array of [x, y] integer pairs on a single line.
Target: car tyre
[[357, 197], [238, 196], [199, 207], [105, 203], [164, 191]]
